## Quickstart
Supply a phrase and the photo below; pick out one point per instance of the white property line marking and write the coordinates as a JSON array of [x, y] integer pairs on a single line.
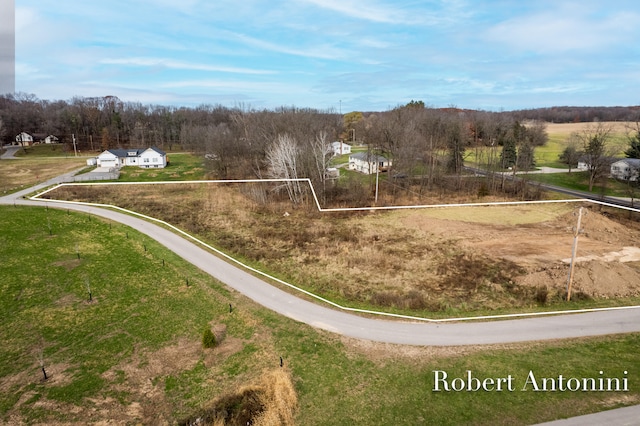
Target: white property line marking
[[308, 293]]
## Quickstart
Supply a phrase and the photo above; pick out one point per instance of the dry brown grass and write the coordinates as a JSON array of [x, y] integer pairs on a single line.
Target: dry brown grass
[[419, 260], [621, 127], [270, 401], [23, 173]]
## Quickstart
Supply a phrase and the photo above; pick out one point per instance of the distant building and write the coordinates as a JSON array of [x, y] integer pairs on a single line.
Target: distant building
[[340, 148], [368, 163], [24, 139], [145, 158], [626, 169]]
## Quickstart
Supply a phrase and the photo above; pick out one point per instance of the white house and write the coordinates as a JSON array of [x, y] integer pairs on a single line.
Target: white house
[[626, 169], [25, 139], [339, 148], [140, 157], [50, 139], [368, 163]]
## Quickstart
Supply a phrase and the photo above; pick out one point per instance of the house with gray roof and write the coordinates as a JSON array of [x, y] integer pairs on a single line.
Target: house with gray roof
[[626, 169], [368, 163], [145, 158]]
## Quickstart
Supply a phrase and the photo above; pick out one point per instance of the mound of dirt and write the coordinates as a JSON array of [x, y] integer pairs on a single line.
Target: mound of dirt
[[607, 256]]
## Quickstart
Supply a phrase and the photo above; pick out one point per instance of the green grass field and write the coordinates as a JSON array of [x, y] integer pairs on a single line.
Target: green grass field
[[132, 354], [182, 166]]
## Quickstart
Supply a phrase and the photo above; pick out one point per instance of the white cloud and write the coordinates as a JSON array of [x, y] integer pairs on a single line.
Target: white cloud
[[558, 31], [318, 52], [173, 64], [371, 11]]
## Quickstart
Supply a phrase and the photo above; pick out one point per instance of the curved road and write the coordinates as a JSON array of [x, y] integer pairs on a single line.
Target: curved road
[[399, 332], [540, 328]]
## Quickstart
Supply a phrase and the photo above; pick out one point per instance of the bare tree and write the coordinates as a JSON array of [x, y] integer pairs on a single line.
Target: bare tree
[[596, 150], [321, 152], [571, 154], [282, 161]]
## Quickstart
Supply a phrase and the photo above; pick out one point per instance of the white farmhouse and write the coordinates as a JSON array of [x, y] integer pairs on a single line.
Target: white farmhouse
[[24, 139], [626, 169], [141, 157], [339, 148], [368, 163], [50, 139]]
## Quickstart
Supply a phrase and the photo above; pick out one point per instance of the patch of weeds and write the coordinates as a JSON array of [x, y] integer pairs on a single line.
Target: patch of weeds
[[84, 386], [236, 363], [541, 295], [9, 399], [170, 383]]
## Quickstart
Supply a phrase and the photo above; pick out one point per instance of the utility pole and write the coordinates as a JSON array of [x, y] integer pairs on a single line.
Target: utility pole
[[75, 152], [573, 254], [377, 174]]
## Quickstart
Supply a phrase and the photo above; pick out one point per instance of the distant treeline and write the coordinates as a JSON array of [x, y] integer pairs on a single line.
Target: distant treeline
[[572, 114], [426, 144]]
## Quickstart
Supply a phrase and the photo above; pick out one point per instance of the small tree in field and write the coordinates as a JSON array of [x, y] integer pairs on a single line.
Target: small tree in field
[[208, 339], [595, 144], [571, 154]]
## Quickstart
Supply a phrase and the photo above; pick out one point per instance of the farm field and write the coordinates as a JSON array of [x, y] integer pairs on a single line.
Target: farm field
[[559, 134], [131, 354], [23, 173]]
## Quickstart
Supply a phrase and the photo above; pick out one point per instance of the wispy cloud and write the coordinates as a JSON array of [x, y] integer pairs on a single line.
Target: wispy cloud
[[173, 64], [557, 31], [311, 51], [396, 12]]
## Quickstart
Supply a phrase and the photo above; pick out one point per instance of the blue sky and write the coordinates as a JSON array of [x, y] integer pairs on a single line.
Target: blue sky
[[343, 54]]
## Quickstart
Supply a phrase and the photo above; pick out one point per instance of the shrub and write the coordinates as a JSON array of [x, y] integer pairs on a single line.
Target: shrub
[[542, 294], [208, 339]]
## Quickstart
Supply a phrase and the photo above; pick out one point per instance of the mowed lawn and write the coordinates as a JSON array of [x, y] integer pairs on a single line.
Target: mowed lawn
[[132, 353]]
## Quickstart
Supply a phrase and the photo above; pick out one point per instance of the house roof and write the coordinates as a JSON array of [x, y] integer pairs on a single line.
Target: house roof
[[369, 157], [633, 162], [158, 150], [133, 152]]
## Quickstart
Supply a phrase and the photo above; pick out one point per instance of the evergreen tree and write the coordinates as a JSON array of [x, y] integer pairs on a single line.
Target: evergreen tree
[[634, 146], [509, 154], [526, 159]]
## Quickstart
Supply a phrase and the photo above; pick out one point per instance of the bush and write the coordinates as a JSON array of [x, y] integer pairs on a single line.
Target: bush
[[208, 339], [542, 294]]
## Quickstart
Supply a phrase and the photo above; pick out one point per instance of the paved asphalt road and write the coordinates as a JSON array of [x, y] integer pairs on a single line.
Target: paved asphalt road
[[376, 329]]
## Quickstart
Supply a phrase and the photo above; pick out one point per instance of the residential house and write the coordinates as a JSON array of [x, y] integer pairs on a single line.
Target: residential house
[[368, 163], [141, 157], [626, 169], [24, 139], [339, 148], [584, 162], [50, 139]]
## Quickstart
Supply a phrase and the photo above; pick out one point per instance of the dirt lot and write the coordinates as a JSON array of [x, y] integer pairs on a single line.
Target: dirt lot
[[607, 259]]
